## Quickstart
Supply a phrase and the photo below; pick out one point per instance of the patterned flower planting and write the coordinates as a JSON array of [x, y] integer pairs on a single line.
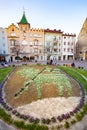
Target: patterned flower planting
[[38, 78]]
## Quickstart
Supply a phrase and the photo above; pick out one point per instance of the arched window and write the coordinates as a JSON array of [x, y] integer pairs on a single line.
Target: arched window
[[24, 50], [35, 42], [24, 42], [13, 33]]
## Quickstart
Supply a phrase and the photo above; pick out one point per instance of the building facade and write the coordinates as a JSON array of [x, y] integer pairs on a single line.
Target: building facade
[[59, 46], [27, 44], [4, 54], [68, 46], [53, 44]]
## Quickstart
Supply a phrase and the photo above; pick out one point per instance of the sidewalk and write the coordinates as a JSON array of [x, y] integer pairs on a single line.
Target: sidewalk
[[4, 126]]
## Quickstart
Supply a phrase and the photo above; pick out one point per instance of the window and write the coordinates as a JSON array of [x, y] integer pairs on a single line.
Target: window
[[26, 28], [16, 43], [40, 35], [36, 50], [71, 50], [31, 51], [64, 43], [64, 37], [3, 32], [55, 50], [59, 44], [24, 42], [40, 51], [24, 50], [3, 44], [12, 51], [4, 52], [48, 49], [72, 43], [59, 38], [30, 35], [35, 42], [40, 43], [35, 35], [48, 43], [55, 44], [24, 34], [12, 42], [68, 43], [30, 43], [41, 57], [3, 38], [59, 50], [64, 49], [68, 49], [13, 33]]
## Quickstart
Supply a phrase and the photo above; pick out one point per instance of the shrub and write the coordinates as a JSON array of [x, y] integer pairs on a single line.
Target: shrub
[[36, 120], [30, 127], [6, 117], [43, 120], [42, 127], [73, 122], [79, 117], [66, 125], [19, 124], [59, 126], [53, 119]]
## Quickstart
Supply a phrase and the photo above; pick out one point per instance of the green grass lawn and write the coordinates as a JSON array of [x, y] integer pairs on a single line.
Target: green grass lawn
[[4, 72], [76, 73], [82, 71]]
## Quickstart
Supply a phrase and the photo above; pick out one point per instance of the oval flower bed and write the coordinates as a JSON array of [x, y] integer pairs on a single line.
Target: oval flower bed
[[55, 115]]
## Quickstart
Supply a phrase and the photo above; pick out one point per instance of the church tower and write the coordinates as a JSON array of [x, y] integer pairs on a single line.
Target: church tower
[[23, 24]]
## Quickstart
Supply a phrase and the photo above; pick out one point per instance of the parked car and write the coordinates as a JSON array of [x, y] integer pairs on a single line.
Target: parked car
[[4, 64]]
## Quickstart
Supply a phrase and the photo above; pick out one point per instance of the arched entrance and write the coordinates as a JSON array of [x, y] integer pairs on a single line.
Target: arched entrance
[[2, 58], [32, 58]]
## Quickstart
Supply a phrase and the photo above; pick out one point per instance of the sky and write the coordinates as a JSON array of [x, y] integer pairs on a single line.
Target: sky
[[67, 15]]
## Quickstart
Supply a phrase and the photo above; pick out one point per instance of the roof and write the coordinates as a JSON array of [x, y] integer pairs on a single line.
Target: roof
[[67, 34], [23, 19], [53, 31]]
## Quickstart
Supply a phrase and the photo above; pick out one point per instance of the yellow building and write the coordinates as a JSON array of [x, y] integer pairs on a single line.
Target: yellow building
[[25, 43]]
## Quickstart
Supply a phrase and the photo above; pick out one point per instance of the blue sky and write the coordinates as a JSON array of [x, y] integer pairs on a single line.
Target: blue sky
[[67, 15]]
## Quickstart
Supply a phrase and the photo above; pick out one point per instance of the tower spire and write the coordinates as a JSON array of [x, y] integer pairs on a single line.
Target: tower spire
[[23, 10], [23, 19]]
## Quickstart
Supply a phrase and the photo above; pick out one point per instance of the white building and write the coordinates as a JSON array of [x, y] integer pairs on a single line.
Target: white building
[[4, 56], [53, 44], [68, 46], [59, 45]]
